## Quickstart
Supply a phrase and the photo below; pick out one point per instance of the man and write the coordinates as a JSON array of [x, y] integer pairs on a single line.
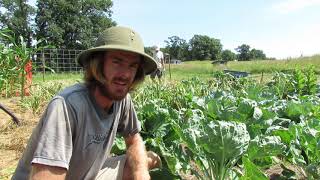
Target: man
[[158, 55], [74, 136]]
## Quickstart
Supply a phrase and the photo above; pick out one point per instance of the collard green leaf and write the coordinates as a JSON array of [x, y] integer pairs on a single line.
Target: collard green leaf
[[313, 170], [263, 146], [283, 122], [284, 133], [119, 146], [252, 171], [246, 105], [224, 141], [295, 110]]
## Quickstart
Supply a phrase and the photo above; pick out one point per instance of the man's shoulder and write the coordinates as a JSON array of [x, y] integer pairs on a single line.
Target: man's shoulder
[[75, 93], [74, 89], [160, 52]]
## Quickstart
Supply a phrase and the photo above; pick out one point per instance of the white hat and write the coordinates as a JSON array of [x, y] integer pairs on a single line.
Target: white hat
[[157, 47]]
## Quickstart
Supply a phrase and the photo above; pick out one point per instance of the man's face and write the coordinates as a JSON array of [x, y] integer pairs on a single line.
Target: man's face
[[119, 70]]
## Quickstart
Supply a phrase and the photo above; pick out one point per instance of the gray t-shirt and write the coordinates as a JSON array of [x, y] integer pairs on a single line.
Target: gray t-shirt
[[75, 133]]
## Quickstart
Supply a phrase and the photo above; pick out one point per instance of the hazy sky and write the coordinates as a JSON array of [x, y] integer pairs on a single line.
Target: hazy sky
[[281, 28]]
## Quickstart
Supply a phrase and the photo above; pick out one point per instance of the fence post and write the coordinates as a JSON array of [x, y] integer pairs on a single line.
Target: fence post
[[43, 65]]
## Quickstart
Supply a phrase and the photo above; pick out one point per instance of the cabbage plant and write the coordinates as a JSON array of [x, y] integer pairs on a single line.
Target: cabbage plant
[[223, 143], [216, 145]]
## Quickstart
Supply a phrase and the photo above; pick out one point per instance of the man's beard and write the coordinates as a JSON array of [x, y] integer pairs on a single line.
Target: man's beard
[[104, 90]]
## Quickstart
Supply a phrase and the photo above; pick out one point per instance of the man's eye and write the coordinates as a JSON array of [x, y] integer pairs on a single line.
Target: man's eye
[[135, 66], [116, 62]]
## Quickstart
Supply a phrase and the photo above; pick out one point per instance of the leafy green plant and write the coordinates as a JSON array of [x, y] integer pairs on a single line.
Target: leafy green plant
[[298, 81], [311, 81], [231, 128]]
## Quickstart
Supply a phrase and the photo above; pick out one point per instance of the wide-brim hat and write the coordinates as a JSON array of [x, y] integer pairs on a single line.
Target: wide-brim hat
[[119, 38]]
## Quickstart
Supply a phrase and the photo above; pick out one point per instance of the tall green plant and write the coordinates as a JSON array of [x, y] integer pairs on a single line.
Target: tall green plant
[[298, 81], [15, 56], [311, 80], [7, 69]]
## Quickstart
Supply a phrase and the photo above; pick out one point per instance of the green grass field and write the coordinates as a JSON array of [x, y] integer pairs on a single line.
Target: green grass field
[[204, 69]]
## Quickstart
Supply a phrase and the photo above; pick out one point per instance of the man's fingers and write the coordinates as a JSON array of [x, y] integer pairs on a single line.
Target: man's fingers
[[154, 161]]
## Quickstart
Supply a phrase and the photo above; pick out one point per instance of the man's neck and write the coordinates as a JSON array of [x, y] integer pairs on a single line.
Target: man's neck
[[104, 102]]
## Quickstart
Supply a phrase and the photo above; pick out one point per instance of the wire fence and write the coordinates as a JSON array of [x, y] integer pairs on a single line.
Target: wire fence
[[56, 60]]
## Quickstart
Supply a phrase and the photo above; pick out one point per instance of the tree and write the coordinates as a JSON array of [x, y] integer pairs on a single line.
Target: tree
[[257, 54], [228, 55], [203, 47], [216, 49], [149, 50], [72, 23], [177, 48], [244, 52], [16, 16]]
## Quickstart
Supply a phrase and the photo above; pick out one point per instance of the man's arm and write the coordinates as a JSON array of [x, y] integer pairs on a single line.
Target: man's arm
[[40, 171], [137, 157], [162, 61]]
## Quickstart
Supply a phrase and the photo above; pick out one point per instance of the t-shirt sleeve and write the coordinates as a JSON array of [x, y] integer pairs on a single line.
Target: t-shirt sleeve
[[55, 139], [129, 123]]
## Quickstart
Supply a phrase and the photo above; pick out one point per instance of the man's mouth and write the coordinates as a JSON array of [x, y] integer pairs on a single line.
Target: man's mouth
[[120, 83]]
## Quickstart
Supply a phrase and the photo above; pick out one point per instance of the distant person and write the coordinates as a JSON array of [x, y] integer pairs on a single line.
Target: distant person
[[158, 56], [75, 134]]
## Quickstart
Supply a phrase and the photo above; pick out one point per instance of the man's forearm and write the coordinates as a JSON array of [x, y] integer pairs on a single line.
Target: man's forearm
[[136, 155], [40, 171]]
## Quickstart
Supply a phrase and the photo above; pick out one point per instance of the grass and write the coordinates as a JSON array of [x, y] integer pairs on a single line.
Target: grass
[[72, 77], [7, 173], [201, 69], [270, 66], [204, 69]]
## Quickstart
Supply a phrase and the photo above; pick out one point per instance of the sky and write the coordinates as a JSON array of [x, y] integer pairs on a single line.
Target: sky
[[281, 28]]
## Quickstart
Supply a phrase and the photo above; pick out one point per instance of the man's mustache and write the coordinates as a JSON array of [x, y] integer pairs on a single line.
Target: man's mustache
[[121, 79]]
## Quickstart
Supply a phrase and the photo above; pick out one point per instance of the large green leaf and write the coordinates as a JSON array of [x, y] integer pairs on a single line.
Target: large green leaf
[[224, 139], [264, 146], [223, 144], [252, 171]]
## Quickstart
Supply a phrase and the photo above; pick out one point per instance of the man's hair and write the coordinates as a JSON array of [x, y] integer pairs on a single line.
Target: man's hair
[[93, 75]]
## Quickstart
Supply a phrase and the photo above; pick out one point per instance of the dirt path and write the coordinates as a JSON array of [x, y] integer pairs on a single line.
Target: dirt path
[[13, 138]]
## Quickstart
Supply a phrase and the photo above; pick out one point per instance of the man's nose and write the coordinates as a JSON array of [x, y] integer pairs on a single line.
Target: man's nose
[[125, 72]]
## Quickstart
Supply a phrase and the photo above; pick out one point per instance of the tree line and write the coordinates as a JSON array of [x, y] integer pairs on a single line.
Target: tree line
[[63, 23], [71, 24], [203, 47]]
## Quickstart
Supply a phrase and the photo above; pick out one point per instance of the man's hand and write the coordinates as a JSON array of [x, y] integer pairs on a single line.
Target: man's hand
[[137, 157]]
